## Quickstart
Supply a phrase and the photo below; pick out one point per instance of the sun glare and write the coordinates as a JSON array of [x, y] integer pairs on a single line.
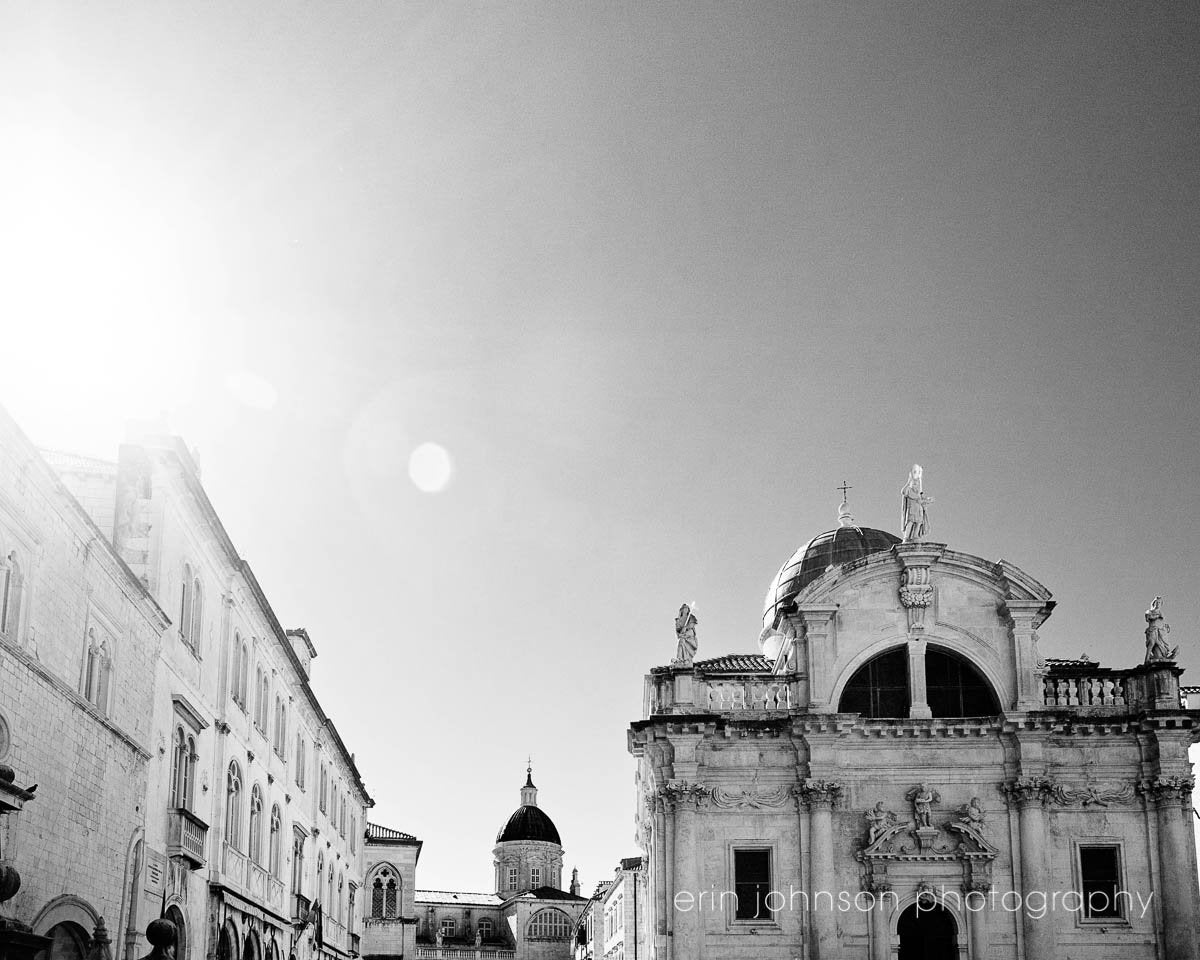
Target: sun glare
[[430, 468]]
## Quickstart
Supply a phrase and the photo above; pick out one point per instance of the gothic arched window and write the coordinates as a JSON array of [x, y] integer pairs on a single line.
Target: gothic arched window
[[256, 805], [183, 770], [275, 847], [233, 805], [97, 672]]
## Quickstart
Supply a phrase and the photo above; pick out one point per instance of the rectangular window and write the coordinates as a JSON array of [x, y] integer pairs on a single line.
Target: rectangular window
[[512, 878], [1100, 873], [752, 883], [535, 876]]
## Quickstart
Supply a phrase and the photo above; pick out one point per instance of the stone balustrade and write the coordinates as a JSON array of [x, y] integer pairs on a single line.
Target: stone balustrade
[[1076, 685], [251, 880], [746, 693], [433, 952]]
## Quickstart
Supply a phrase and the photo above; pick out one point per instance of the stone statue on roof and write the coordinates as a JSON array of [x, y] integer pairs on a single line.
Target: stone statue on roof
[[914, 518], [685, 635], [1157, 648]]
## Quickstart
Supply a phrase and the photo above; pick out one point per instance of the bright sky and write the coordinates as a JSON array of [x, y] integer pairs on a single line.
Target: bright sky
[[635, 286]]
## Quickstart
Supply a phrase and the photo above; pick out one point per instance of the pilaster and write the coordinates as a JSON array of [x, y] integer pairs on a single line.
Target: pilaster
[[820, 636]]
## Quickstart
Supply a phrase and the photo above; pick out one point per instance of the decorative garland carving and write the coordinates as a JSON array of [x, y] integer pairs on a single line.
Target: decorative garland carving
[[1091, 796], [916, 594], [748, 799]]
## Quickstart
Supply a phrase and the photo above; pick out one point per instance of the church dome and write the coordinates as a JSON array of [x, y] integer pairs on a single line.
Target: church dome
[[529, 823], [830, 549]]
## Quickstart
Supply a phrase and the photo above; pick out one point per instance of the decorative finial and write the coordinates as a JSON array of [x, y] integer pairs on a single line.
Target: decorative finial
[[1156, 634], [914, 518], [844, 517], [685, 636]]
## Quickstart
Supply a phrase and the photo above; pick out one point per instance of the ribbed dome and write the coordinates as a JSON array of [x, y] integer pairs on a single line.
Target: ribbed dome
[[832, 548], [529, 823]]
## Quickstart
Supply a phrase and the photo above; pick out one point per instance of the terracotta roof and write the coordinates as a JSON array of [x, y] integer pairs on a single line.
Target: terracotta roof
[[454, 896], [735, 663], [377, 834]]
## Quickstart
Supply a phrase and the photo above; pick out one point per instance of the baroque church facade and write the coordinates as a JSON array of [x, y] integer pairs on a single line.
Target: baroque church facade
[[899, 772], [528, 916]]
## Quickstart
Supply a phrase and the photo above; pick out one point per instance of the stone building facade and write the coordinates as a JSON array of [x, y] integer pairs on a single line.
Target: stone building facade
[[527, 917], [613, 925], [254, 807], [899, 772], [79, 636], [183, 763]]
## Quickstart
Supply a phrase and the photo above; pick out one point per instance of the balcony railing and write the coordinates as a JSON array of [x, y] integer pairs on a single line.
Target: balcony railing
[[187, 837], [1076, 685], [251, 880], [300, 907], [432, 952], [355, 944]]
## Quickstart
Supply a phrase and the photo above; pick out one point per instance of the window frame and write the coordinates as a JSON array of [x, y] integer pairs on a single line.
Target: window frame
[[1117, 845], [733, 908]]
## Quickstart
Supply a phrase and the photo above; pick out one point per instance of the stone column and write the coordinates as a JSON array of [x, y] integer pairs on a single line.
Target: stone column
[[1176, 882], [688, 922], [669, 873], [821, 796], [919, 704], [978, 921], [1024, 617], [661, 914], [880, 939], [1029, 794]]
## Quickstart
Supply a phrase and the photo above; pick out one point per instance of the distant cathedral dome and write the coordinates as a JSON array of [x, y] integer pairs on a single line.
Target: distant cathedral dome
[[843, 544], [528, 822]]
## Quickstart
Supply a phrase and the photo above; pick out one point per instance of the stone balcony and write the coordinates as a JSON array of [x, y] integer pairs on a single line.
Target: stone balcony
[[187, 837], [250, 880], [735, 688], [447, 952]]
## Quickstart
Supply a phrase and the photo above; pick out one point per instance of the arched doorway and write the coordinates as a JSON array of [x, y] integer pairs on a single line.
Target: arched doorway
[[227, 945], [175, 915], [250, 949], [928, 934], [68, 941]]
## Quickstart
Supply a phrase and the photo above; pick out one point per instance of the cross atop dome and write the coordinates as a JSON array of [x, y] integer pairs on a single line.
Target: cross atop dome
[[844, 517]]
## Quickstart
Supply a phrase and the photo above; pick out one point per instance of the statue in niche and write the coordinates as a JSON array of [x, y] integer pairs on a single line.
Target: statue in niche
[[922, 798], [685, 634], [1156, 634], [878, 822], [914, 518]]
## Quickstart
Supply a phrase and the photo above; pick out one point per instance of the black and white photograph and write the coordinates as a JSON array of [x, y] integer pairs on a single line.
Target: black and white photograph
[[599, 480]]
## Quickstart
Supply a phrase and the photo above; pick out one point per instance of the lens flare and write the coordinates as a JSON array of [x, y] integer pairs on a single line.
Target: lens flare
[[430, 468]]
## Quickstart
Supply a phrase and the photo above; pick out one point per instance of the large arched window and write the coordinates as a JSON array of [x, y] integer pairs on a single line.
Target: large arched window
[[235, 674], [256, 805], [185, 603], [244, 677], [882, 687], [549, 924], [954, 688], [275, 848], [260, 691], [195, 628], [879, 688], [233, 805], [183, 770]]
